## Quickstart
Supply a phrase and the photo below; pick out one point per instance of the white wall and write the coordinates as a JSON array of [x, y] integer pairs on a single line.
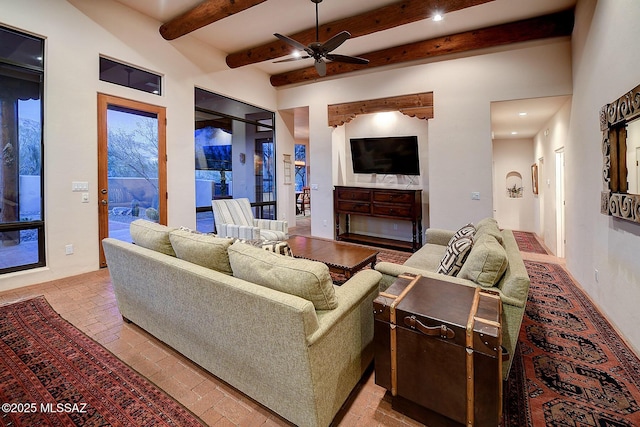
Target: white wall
[[380, 125], [459, 135], [513, 156], [605, 67], [552, 137], [76, 33]]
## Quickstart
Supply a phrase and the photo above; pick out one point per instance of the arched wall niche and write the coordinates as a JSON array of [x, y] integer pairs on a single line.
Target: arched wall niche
[[513, 182]]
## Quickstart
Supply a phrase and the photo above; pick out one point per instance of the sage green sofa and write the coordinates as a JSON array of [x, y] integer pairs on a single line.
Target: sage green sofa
[[494, 262], [278, 348]]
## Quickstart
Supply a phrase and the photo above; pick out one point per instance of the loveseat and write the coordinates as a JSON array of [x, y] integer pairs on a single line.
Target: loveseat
[[272, 326], [492, 261]]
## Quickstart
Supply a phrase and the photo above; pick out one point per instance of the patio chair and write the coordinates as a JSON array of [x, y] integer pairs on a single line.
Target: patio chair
[[234, 218]]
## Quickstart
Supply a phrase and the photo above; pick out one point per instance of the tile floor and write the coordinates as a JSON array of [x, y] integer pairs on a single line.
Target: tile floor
[[88, 302]]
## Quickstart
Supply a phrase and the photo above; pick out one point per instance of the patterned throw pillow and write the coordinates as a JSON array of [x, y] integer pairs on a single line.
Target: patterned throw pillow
[[454, 256], [277, 246], [465, 231]]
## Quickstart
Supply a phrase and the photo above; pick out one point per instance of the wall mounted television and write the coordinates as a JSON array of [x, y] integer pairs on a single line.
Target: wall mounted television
[[385, 155]]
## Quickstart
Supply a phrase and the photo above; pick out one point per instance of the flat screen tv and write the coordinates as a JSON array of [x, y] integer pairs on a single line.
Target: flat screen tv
[[386, 155]]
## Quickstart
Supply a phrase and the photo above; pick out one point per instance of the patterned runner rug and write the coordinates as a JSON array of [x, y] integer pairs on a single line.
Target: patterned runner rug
[[571, 368], [527, 242], [52, 374]]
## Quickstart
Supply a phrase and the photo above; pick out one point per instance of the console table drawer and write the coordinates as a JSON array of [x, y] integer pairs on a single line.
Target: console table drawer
[[385, 196], [349, 194], [354, 207], [393, 211]]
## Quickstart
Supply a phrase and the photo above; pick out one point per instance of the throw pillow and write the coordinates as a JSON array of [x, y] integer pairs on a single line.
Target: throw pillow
[[465, 231], [151, 236], [307, 279], [202, 249], [455, 256], [486, 262], [277, 246]]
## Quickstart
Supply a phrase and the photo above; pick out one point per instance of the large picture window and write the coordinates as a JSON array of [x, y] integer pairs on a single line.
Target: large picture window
[[234, 156], [21, 152]]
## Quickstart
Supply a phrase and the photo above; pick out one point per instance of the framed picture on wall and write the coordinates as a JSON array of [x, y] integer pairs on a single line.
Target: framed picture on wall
[[534, 178]]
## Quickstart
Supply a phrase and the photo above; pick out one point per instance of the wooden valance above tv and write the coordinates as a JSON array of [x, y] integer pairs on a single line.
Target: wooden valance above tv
[[418, 105]]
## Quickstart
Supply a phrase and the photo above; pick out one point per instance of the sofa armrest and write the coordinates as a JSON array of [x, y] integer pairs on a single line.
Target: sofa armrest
[[272, 224], [438, 236], [238, 231], [351, 295]]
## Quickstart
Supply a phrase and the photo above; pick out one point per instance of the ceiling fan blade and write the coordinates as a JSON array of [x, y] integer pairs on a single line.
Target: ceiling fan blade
[[335, 41], [292, 59], [347, 59], [291, 42], [321, 67]]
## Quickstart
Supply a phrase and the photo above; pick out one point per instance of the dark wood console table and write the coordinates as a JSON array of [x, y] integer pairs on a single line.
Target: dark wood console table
[[403, 205]]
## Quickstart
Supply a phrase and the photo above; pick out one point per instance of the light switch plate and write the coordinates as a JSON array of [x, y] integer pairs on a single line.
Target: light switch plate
[[79, 186]]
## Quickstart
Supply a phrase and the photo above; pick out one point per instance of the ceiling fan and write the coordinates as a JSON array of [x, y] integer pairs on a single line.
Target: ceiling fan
[[321, 52]]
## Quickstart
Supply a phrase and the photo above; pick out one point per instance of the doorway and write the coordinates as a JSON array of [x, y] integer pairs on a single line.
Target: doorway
[[132, 181], [560, 204]]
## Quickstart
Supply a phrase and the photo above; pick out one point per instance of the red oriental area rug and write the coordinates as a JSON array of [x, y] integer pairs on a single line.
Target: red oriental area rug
[[527, 242], [52, 374], [571, 368]]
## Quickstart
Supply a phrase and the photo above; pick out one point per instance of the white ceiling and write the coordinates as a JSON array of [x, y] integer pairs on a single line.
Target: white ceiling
[[256, 26], [525, 117]]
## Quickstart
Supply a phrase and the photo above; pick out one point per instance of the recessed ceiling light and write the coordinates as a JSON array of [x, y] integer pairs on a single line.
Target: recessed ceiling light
[[437, 17], [522, 114], [514, 133]]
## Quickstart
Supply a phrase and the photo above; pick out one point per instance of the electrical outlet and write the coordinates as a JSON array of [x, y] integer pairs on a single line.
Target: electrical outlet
[[85, 197], [395, 226], [68, 249], [324, 223], [595, 275], [475, 195]]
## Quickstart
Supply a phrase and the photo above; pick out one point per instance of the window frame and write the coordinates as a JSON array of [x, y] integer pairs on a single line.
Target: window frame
[[38, 225]]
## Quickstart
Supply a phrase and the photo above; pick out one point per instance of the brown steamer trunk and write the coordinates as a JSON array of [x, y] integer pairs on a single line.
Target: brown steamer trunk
[[438, 350]]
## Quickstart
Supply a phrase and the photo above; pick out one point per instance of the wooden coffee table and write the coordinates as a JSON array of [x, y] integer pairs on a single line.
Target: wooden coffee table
[[339, 257]]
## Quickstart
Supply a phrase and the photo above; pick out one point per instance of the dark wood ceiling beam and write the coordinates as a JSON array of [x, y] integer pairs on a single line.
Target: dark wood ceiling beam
[[548, 26], [202, 15], [380, 19]]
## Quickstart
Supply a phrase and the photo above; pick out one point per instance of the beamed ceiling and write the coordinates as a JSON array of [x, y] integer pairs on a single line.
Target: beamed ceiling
[[387, 33]]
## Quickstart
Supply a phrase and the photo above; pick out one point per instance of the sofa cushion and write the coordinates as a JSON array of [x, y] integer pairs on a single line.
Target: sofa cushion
[[427, 258], [488, 226], [152, 236], [307, 279], [455, 256], [206, 250], [486, 262], [278, 246]]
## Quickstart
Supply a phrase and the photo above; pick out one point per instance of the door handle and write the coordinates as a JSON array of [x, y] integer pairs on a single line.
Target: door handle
[[104, 202]]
